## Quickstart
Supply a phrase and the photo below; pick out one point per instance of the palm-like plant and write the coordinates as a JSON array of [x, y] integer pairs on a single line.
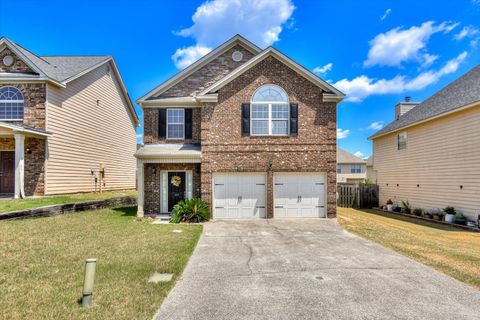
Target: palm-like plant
[[190, 210]]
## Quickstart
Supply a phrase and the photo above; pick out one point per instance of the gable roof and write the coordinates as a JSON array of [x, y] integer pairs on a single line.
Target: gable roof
[[271, 51], [344, 156], [164, 86], [463, 92], [62, 69]]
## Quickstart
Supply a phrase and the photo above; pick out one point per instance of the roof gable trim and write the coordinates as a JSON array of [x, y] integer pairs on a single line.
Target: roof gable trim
[[270, 51]]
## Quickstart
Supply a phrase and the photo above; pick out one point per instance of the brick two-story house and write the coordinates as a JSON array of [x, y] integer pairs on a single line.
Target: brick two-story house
[[250, 131], [61, 118]]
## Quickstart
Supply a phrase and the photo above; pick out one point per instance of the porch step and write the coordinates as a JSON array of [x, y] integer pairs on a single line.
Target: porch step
[[162, 218]]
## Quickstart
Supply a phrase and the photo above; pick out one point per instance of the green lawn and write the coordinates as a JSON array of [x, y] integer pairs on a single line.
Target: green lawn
[[42, 264], [19, 204], [447, 249]]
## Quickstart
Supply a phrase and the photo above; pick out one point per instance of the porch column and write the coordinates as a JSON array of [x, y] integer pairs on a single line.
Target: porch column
[[140, 187], [19, 165]]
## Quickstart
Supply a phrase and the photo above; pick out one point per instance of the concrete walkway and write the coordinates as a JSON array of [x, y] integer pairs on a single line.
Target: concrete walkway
[[308, 269]]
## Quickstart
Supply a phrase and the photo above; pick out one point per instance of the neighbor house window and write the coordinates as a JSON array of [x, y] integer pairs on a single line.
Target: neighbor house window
[[402, 141], [270, 111], [11, 104], [356, 168], [175, 123], [339, 169]]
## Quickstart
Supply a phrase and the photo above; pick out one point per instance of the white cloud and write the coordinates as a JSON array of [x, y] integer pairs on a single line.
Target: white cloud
[[386, 14], [398, 45], [215, 21], [469, 32], [362, 86], [377, 125], [324, 69], [359, 154], [342, 133], [184, 57]]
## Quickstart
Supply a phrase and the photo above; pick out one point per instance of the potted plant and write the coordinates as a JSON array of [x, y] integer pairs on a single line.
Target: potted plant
[[406, 207], [460, 219], [397, 209], [449, 214], [418, 212], [389, 205]]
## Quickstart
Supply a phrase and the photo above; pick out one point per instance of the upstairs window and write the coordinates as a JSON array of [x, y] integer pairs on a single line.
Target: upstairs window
[[11, 104], [356, 168], [339, 169], [402, 141], [175, 123], [270, 111]]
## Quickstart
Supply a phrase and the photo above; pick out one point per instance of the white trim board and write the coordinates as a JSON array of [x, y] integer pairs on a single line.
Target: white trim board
[[270, 51]]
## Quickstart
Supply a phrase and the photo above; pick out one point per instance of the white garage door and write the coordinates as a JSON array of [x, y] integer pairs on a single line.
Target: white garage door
[[299, 195], [239, 195]]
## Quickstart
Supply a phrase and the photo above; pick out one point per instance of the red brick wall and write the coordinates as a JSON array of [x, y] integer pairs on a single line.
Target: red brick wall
[[18, 65], [313, 150]]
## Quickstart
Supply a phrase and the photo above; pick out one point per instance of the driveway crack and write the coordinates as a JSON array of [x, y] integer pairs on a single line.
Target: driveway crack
[[250, 254]]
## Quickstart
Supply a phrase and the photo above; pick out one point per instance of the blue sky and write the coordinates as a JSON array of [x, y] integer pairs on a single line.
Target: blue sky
[[377, 52]]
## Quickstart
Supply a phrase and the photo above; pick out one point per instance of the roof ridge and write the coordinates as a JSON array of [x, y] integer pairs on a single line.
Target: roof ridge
[[23, 48], [72, 55]]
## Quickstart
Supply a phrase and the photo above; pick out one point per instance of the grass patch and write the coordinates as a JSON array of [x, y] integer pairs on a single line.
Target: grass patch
[[42, 264], [447, 249], [19, 204]]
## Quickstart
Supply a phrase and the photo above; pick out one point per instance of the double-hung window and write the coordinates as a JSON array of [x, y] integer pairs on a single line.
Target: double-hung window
[[356, 168], [175, 123], [270, 111]]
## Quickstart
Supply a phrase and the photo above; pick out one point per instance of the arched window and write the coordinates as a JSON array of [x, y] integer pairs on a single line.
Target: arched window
[[11, 104], [269, 111]]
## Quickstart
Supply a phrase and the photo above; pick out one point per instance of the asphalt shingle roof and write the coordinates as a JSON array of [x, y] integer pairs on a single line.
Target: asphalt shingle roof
[[461, 92], [61, 68], [344, 156]]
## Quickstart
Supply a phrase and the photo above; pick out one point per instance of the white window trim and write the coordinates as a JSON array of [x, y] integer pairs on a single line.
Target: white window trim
[[167, 123], [356, 168], [270, 119]]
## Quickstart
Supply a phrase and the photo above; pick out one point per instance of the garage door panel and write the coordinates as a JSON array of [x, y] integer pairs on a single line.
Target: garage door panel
[[244, 193], [299, 194]]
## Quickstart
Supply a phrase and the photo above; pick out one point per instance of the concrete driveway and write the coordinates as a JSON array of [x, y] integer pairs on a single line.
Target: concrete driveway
[[308, 269]]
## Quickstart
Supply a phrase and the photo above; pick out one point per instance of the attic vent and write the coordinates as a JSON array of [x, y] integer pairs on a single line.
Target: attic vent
[[8, 61], [237, 56]]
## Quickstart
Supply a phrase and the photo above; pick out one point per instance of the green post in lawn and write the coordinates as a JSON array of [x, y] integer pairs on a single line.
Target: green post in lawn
[[90, 265]]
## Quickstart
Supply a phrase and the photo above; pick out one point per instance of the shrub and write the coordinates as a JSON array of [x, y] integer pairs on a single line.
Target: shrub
[[449, 210], [190, 210], [417, 212], [459, 216], [407, 208]]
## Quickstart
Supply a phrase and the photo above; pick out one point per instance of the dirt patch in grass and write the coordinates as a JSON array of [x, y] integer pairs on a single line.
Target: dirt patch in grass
[[42, 264], [7, 205], [447, 249]]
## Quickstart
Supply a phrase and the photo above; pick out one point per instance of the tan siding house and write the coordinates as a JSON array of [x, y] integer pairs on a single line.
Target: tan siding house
[[350, 168], [61, 118], [439, 165], [92, 125]]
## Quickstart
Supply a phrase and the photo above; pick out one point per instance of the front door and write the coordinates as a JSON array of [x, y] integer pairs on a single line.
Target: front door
[[176, 188], [7, 171]]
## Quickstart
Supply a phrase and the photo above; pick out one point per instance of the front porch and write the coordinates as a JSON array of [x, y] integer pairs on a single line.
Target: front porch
[[166, 174], [22, 160]]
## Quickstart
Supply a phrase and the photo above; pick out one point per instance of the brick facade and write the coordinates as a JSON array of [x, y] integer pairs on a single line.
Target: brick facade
[[207, 75], [224, 149], [18, 65], [150, 127], [34, 155], [34, 95], [152, 182]]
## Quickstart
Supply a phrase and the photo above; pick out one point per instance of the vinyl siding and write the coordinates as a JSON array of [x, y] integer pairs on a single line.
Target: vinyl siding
[[86, 134], [441, 156]]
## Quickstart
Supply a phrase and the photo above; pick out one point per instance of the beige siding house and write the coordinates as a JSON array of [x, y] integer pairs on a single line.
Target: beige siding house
[[350, 168], [79, 117], [430, 155]]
